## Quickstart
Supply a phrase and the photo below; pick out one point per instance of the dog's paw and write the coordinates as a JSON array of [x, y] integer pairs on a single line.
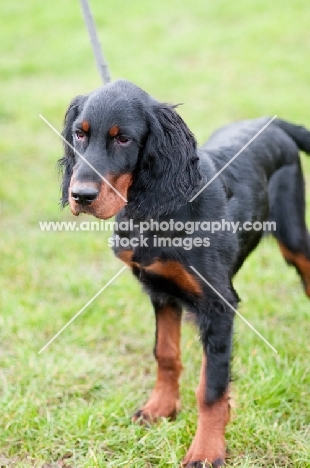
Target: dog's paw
[[143, 418], [218, 463], [158, 406], [205, 452]]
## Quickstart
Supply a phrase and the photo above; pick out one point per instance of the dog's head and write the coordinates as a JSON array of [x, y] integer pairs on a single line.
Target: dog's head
[[125, 148]]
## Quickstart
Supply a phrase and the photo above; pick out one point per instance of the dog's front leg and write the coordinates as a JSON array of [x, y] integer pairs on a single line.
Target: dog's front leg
[[165, 399], [208, 445]]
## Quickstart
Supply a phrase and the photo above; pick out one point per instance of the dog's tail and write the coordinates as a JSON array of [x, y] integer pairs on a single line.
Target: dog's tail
[[299, 134]]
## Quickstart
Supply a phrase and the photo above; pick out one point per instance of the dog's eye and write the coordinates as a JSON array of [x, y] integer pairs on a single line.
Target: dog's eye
[[122, 140], [80, 134]]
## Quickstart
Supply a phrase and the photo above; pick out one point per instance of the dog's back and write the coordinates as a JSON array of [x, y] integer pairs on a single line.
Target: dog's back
[[264, 178], [276, 141]]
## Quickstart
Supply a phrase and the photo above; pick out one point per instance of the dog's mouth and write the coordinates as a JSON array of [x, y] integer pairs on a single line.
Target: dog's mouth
[[102, 200]]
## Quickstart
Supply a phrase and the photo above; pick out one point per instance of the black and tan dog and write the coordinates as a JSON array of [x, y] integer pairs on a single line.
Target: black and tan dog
[[147, 153]]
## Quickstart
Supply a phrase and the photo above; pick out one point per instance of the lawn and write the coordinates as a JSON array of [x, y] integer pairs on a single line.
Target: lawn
[[70, 406]]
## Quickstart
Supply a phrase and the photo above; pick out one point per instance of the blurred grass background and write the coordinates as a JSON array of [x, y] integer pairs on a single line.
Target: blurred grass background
[[71, 406]]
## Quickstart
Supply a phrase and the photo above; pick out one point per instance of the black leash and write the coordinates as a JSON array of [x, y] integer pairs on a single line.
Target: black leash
[[99, 57]]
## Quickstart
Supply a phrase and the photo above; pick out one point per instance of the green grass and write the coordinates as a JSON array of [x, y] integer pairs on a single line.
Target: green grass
[[71, 405]]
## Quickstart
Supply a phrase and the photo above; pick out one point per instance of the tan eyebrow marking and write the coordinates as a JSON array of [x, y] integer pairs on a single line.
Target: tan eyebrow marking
[[114, 131], [85, 125]]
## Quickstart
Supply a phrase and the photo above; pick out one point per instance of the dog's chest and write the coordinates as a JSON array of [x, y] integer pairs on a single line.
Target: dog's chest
[[167, 275]]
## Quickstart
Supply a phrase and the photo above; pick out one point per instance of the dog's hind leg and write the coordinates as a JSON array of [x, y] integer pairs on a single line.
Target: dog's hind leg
[[165, 400], [287, 209]]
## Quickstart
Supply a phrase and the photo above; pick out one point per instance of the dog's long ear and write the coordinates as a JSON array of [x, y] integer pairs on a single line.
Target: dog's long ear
[[167, 174], [67, 162]]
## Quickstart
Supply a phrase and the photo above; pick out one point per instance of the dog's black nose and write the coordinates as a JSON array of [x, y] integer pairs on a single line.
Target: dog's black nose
[[84, 195]]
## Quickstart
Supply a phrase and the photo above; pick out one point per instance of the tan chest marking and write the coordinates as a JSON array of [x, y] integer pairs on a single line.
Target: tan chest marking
[[175, 272], [126, 257], [170, 269]]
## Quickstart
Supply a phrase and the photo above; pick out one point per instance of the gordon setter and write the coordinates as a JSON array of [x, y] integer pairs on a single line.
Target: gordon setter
[[152, 171]]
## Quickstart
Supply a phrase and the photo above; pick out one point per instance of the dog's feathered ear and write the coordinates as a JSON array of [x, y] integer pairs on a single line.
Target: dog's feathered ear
[[167, 174], [67, 162]]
